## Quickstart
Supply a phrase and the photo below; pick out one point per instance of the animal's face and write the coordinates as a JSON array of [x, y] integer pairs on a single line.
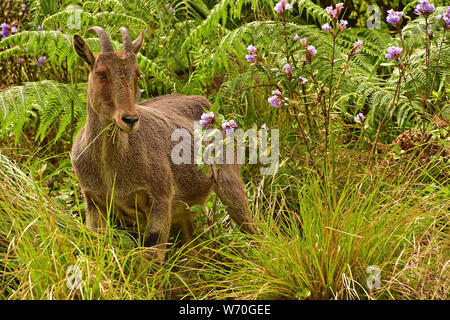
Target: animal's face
[[113, 79], [113, 88]]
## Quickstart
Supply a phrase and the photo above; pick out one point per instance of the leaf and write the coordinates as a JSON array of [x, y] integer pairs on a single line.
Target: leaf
[[196, 208]]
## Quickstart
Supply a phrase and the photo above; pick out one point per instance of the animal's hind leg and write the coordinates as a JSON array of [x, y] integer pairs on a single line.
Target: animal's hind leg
[[230, 190], [158, 228]]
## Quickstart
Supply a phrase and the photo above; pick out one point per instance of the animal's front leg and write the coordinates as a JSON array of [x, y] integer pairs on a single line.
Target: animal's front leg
[[95, 213], [158, 227]]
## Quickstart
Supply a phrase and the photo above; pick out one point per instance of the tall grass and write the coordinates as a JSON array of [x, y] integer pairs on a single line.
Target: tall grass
[[321, 252], [40, 239], [318, 249]]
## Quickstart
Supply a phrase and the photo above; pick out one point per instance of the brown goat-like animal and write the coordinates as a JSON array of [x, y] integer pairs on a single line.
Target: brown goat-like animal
[[134, 166]]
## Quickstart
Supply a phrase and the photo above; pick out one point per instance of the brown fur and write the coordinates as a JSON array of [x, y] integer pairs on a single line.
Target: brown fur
[[134, 163]]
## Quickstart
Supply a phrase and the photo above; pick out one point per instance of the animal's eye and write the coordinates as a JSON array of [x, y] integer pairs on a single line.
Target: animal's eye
[[101, 75]]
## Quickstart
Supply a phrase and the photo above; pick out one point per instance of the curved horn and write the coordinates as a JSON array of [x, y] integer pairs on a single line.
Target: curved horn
[[127, 44], [137, 44], [105, 42]]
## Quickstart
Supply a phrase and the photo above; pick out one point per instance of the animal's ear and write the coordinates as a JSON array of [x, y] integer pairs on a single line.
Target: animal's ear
[[137, 44], [82, 49]]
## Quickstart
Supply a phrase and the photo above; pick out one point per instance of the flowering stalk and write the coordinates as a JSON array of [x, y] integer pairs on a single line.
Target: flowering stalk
[[438, 59], [427, 69], [394, 53]]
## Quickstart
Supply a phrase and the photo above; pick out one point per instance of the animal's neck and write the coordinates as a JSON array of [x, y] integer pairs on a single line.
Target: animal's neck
[[103, 134]]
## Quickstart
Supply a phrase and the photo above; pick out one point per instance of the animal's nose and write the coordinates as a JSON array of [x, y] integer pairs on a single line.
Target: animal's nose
[[130, 120]]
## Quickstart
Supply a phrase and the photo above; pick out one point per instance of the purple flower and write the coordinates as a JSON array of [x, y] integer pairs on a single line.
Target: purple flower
[[310, 52], [358, 44], [276, 92], [394, 53], [229, 126], [342, 24], [334, 13], [252, 49], [5, 30], [40, 60], [264, 126], [23, 6], [296, 38], [304, 80], [424, 8], [331, 12], [359, 118], [394, 17], [288, 69], [339, 7], [251, 57], [275, 100], [59, 30], [169, 7], [304, 42], [445, 17], [326, 27], [40, 28], [355, 50], [72, 170], [21, 60], [282, 6], [207, 119], [13, 30]]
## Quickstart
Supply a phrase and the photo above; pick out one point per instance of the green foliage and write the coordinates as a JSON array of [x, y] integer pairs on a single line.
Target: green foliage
[[319, 230], [49, 101]]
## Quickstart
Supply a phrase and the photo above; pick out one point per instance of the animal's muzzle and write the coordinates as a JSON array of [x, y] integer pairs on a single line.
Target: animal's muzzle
[[131, 121]]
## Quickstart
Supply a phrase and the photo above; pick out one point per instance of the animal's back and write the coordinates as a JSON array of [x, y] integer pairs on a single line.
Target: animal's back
[[190, 107]]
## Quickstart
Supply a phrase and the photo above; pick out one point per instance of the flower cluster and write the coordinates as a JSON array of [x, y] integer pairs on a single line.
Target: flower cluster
[[41, 60], [275, 99], [342, 25], [310, 52], [282, 6], [207, 120], [229, 126], [446, 18], [327, 27], [424, 8], [252, 56], [169, 7], [359, 118], [394, 17], [288, 70], [356, 48], [303, 81], [7, 30], [394, 53], [334, 13]]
